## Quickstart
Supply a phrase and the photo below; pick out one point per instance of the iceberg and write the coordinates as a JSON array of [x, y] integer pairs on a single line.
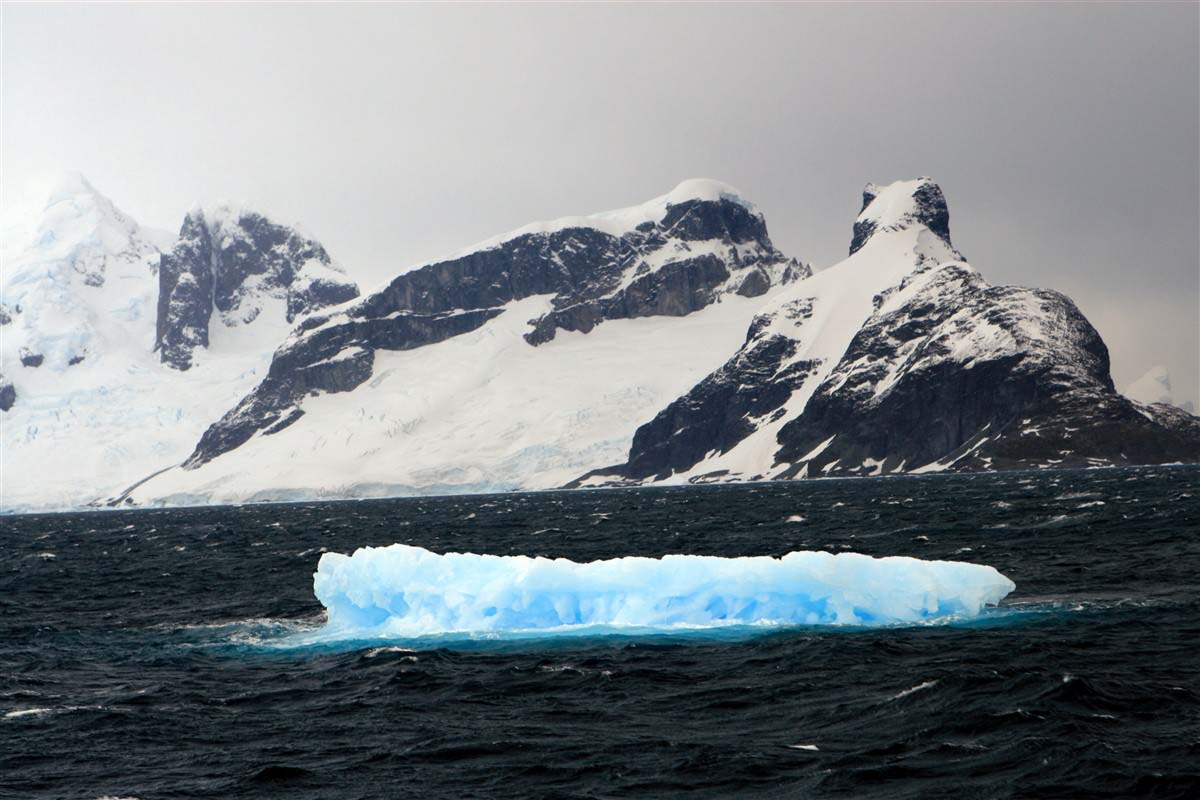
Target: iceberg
[[410, 592]]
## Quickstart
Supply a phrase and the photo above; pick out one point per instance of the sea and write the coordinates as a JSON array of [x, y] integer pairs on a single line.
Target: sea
[[154, 653]]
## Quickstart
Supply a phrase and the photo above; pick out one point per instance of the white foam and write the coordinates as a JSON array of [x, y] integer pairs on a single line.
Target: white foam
[[920, 687]]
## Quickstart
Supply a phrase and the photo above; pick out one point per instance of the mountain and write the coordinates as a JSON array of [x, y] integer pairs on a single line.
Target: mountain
[[85, 401], [674, 342], [666, 342], [520, 362], [902, 358]]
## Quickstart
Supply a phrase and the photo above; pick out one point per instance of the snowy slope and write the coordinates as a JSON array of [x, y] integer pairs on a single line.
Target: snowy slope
[[91, 403], [78, 278], [482, 411]]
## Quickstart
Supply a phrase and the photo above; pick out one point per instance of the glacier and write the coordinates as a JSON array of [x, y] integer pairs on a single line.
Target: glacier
[[403, 591]]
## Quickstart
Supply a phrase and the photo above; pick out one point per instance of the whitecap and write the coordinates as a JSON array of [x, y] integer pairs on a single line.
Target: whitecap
[[41, 712], [920, 687]]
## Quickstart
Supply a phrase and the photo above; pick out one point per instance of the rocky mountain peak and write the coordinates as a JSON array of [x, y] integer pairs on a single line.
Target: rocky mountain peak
[[237, 262], [901, 205]]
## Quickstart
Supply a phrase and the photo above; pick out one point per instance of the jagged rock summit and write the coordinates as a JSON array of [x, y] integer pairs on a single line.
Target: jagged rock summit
[[900, 205], [235, 263]]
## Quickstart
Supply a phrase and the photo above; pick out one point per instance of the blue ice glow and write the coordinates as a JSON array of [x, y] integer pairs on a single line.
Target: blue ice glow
[[409, 592]]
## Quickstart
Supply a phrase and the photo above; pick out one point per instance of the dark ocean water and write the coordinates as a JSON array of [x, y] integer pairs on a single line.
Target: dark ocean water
[[141, 653]]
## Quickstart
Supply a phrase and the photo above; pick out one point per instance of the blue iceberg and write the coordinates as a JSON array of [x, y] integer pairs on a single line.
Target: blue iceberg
[[409, 592]]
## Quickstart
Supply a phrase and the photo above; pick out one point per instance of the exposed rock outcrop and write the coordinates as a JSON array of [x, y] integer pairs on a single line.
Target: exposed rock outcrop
[[235, 264], [8, 393]]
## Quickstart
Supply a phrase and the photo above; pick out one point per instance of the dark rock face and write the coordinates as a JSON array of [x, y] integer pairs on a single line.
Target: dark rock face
[[956, 373], [582, 260], [318, 292], [230, 264], [595, 275], [672, 267], [5, 315], [1084, 432], [185, 294], [674, 290], [8, 394], [30, 358], [737, 243], [756, 283]]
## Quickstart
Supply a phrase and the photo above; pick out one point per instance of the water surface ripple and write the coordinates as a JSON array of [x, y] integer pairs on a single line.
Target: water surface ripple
[[146, 654]]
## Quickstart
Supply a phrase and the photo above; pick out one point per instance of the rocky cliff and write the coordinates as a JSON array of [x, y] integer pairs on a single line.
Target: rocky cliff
[[235, 264]]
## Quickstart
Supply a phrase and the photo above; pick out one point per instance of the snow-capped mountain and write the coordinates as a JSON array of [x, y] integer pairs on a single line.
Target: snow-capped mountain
[[903, 358], [665, 342], [69, 272], [520, 362], [85, 399], [673, 340]]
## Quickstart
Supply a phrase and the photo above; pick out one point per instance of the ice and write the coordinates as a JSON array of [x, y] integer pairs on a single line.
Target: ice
[[407, 591]]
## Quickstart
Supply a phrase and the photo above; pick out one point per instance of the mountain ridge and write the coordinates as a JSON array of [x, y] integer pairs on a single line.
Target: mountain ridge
[[666, 342], [823, 363]]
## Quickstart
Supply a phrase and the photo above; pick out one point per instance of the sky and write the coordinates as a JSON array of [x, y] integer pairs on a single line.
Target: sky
[[1066, 137]]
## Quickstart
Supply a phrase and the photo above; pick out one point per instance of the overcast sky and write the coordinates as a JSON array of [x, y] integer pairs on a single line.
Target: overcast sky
[[1066, 137]]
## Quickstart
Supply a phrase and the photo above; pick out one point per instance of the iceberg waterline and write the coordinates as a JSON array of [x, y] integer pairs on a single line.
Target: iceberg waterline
[[407, 591]]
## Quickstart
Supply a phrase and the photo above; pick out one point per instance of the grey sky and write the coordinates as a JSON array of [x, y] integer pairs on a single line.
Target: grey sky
[[1066, 137]]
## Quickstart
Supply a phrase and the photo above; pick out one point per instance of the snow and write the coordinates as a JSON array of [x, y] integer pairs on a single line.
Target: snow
[[483, 411], [406, 591], [622, 220], [313, 271]]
